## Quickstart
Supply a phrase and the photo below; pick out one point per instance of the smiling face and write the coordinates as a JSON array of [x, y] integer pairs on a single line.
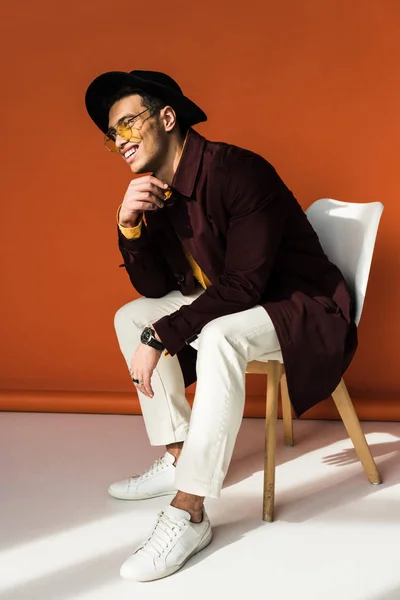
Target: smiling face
[[147, 149]]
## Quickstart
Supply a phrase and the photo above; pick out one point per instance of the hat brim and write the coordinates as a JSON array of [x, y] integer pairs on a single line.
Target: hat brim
[[103, 88]]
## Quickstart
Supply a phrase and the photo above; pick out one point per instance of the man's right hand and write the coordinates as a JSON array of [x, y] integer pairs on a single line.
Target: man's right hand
[[143, 194]]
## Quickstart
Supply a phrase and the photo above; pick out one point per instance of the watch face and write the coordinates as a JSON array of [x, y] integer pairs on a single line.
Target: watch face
[[146, 335]]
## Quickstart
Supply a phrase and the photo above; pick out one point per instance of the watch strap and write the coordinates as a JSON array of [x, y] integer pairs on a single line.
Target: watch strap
[[153, 343]]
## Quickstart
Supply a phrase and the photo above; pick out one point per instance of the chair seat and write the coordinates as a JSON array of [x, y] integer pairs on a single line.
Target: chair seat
[[260, 365], [277, 355]]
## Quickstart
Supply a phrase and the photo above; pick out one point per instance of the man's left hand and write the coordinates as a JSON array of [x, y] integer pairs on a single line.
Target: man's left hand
[[142, 366]]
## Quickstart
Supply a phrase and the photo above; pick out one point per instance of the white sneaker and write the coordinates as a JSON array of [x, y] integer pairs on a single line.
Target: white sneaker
[[159, 480], [174, 539]]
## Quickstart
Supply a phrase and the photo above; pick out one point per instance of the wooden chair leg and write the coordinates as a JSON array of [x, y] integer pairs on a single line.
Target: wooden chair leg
[[275, 370], [286, 413], [349, 417]]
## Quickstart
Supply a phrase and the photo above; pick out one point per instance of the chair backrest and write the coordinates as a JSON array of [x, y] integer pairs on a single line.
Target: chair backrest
[[347, 233]]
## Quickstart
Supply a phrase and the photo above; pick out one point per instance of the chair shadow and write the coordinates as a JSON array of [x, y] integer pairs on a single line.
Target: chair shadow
[[248, 457], [321, 496], [349, 456], [308, 501]]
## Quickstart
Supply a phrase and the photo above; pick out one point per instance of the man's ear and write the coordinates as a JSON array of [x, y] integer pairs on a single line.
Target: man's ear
[[168, 117]]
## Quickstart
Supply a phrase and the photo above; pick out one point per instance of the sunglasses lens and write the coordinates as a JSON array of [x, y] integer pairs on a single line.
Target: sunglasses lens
[[129, 133], [134, 135], [124, 131]]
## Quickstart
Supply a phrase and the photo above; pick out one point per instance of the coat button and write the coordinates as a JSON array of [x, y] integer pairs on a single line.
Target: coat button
[[179, 277]]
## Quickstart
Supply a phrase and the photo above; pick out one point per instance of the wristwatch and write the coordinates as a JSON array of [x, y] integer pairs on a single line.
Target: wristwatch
[[148, 338]]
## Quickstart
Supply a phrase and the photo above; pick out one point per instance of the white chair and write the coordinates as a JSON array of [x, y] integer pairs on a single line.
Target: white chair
[[347, 232]]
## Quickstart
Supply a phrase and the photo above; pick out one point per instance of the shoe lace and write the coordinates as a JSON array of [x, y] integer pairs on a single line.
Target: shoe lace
[[164, 532], [158, 465]]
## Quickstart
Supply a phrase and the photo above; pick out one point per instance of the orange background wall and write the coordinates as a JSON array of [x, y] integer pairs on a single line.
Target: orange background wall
[[312, 85]]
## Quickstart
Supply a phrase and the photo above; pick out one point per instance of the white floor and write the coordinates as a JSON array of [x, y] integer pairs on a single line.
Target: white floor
[[62, 537]]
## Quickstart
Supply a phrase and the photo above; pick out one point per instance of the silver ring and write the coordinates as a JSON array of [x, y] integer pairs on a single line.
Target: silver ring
[[138, 381]]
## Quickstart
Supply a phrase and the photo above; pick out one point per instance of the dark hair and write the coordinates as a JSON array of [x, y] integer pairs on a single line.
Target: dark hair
[[155, 105]]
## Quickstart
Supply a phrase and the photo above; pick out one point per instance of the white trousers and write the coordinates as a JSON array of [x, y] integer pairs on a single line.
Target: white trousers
[[209, 431]]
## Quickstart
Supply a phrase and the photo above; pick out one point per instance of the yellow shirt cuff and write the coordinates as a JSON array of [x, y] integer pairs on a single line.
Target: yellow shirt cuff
[[131, 233]]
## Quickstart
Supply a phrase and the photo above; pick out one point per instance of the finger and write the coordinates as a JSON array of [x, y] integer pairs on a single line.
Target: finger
[[147, 385], [151, 196], [134, 377], [147, 186], [147, 191], [148, 197], [139, 386], [163, 185], [153, 189], [143, 390], [149, 181], [144, 206], [138, 205]]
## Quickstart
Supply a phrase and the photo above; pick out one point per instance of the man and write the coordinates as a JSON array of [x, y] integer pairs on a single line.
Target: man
[[226, 261]]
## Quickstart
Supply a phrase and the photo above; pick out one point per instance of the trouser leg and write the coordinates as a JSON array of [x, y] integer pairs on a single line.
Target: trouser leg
[[167, 414], [225, 346]]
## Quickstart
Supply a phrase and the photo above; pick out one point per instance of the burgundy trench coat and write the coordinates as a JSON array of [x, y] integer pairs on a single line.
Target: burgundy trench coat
[[250, 236]]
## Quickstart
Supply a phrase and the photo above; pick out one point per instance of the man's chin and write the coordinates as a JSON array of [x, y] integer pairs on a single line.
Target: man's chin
[[139, 169]]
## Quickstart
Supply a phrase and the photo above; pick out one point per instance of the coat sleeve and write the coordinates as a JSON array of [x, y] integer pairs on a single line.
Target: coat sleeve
[[143, 260], [257, 209]]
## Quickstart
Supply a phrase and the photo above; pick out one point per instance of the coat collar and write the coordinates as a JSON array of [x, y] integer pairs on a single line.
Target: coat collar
[[188, 168]]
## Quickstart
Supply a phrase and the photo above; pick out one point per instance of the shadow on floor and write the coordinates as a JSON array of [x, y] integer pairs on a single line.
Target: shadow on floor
[[307, 501], [311, 500], [72, 581]]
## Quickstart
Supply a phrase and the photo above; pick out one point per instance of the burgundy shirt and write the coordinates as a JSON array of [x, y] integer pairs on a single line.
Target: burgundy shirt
[[249, 235]]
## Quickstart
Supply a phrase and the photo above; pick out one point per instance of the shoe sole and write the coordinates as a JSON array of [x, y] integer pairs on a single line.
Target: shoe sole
[[206, 542], [141, 496]]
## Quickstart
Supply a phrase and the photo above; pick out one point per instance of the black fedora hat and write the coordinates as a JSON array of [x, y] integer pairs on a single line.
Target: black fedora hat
[[159, 85]]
